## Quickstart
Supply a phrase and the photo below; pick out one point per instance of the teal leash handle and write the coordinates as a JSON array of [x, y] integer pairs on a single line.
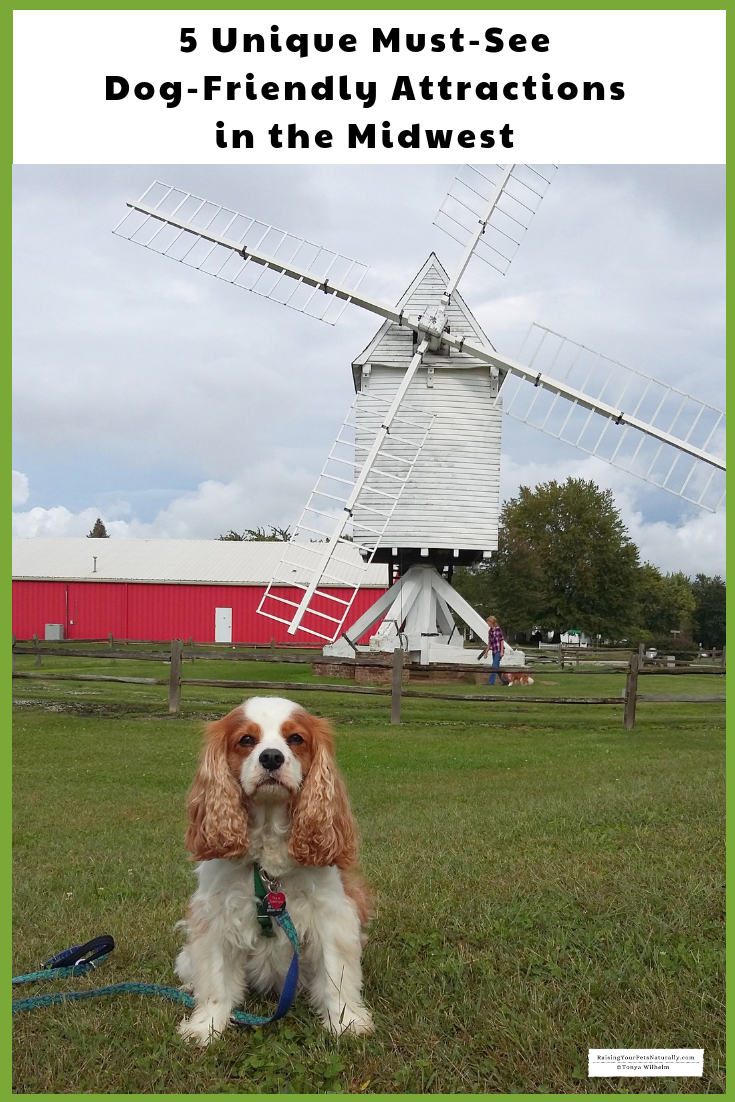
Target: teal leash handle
[[57, 973], [172, 993]]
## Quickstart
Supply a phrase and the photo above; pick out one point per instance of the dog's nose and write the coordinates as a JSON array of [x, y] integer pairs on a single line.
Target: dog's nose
[[271, 759]]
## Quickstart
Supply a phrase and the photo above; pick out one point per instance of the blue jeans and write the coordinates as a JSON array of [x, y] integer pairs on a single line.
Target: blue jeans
[[496, 666]]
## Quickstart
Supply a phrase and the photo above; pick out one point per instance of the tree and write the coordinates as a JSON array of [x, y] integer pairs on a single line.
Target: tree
[[564, 560], [708, 620], [259, 535], [665, 602], [99, 532]]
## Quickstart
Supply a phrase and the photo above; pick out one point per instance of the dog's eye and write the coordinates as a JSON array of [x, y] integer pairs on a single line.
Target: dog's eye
[[247, 740], [294, 740]]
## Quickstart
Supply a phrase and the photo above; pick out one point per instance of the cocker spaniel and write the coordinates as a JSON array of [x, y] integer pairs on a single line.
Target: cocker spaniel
[[267, 791]]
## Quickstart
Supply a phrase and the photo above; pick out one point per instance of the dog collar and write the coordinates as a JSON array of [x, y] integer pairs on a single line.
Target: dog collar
[[270, 900]]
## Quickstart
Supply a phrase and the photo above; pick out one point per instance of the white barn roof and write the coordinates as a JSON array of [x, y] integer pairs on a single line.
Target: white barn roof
[[197, 562]]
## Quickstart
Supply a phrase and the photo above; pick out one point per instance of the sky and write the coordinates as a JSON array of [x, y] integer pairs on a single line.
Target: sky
[[176, 406]]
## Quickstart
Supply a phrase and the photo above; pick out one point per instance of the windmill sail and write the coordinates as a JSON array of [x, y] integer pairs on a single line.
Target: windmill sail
[[241, 250], [662, 435], [319, 573], [488, 209]]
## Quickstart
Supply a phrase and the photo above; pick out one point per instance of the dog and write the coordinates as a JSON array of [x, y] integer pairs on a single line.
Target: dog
[[517, 678], [267, 791]]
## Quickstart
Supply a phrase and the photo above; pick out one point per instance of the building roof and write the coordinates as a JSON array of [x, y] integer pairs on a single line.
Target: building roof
[[393, 345], [197, 562]]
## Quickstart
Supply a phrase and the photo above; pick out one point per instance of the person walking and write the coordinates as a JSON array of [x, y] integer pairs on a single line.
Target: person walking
[[496, 644]]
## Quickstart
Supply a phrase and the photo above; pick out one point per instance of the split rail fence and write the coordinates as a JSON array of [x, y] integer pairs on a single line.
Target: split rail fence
[[177, 655]]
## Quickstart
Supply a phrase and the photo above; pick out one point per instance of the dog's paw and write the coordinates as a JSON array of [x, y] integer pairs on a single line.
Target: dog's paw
[[361, 1026], [355, 1022], [200, 1030]]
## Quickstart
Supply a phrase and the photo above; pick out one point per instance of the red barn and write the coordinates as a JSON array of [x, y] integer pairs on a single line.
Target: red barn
[[159, 589]]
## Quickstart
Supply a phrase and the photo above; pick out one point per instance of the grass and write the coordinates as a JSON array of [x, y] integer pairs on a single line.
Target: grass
[[545, 881]]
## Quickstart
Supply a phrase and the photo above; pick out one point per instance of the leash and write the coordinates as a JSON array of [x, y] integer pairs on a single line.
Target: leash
[[79, 960]]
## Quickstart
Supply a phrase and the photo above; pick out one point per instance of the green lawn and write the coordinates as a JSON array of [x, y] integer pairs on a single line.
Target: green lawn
[[545, 882]]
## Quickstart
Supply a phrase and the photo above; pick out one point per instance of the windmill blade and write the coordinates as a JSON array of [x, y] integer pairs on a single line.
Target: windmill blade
[[241, 250], [665, 437], [488, 209], [374, 453], [231, 246], [324, 565]]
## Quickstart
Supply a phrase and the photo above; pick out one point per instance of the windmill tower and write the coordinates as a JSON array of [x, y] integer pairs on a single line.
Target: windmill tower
[[413, 476], [448, 514], [461, 392]]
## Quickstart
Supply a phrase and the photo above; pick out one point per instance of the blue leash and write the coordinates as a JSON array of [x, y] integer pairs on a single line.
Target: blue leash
[[98, 949]]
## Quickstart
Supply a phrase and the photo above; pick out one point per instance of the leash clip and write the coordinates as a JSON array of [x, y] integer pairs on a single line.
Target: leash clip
[[269, 881]]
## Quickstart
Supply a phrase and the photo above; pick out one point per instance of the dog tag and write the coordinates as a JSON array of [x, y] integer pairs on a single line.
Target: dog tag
[[276, 901]]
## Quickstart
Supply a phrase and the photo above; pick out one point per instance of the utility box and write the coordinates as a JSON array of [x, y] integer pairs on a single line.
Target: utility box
[[54, 632]]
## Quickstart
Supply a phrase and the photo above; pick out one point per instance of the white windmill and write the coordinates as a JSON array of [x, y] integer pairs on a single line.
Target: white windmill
[[413, 476]]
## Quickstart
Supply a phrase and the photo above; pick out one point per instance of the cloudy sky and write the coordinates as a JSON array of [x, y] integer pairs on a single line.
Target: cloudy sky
[[174, 405]]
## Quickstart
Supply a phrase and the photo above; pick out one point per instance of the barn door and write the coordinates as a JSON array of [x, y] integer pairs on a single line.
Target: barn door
[[223, 625]]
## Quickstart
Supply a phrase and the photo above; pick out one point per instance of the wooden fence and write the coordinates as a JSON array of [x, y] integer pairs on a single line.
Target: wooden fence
[[176, 656]]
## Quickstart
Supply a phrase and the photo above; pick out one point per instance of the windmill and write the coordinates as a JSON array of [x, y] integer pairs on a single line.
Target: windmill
[[412, 479]]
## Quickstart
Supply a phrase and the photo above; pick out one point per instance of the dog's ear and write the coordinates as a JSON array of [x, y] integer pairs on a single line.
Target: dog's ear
[[218, 821], [323, 831]]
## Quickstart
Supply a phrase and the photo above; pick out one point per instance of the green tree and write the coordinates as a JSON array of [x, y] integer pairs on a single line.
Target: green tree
[[665, 602], [564, 560], [99, 532], [708, 620], [259, 535]]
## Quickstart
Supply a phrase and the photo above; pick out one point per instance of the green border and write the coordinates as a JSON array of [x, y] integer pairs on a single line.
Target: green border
[[288, 5], [408, 5]]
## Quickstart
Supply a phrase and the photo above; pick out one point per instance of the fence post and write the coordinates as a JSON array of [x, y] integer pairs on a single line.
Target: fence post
[[641, 653], [38, 650], [273, 643], [191, 644], [174, 682], [111, 640], [722, 660], [561, 655], [396, 685], [12, 655], [631, 689]]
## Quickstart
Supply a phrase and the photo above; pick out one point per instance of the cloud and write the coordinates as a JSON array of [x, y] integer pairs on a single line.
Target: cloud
[[21, 491], [692, 545], [205, 513], [57, 521], [216, 507], [695, 547]]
